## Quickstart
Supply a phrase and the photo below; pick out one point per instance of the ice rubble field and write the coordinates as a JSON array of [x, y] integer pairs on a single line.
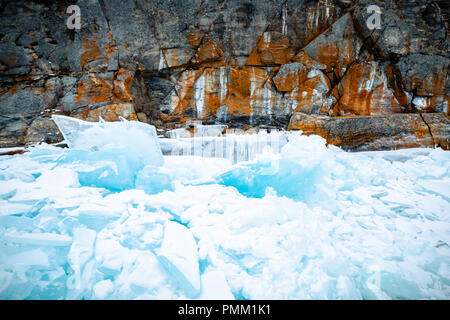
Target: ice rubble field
[[111, 218]]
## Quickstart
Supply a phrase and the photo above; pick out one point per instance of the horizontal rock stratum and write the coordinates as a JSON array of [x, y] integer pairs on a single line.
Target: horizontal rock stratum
[[313, 66]]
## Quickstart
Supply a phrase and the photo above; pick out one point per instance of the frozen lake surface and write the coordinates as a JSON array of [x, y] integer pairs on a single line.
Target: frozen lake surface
[[112, 218]]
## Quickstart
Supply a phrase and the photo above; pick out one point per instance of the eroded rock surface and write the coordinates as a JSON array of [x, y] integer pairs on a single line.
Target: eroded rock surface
[[386, 132], [242, 63]]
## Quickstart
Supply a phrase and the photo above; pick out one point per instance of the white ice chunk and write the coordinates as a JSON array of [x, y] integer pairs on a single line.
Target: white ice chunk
[[82, 247], [179, 255], [111, 256], [152, 180], [72, 128], [8, 208], [103, 288], [215, 287], [79, 284], [145, 276], [5, 280], [58, 179], [36, 257], [440, 187], [8, 188], [39, 239], [133, 137], [98, 213], [398, 197]]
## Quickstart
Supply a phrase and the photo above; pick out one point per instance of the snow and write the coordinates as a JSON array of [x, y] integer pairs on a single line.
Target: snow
[[441, 188], [82, 248], [38, 239], [215, 286], [102, 289], [292, 219], [178, 254]]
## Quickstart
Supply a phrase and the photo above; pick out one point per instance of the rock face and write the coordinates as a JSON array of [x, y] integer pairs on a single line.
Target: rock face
[[364, 133], [304, 65]]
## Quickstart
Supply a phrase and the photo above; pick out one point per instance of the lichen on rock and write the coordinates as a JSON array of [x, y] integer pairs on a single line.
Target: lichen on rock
[[247, 65]]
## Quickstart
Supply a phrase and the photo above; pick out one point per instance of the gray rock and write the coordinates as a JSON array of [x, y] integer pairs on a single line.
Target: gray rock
[[13, 133], [149, 56], [424, 73], [407, 27], [13, 60], [43, 130], [23, 104], [388, 132], [338, 47], [439, 126]]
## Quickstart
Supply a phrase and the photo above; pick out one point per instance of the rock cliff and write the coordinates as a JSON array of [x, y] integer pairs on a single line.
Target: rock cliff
[[310, 65]]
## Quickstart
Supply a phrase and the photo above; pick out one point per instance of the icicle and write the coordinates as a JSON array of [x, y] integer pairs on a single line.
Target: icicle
[[162, 61], [235, 146], [199, 95], [284, 17], [223, 83]]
